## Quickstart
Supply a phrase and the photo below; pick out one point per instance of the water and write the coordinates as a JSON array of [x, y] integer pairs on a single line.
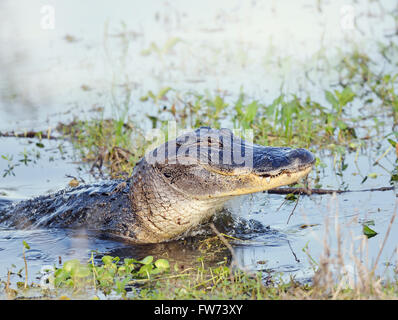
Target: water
[[94, 51]]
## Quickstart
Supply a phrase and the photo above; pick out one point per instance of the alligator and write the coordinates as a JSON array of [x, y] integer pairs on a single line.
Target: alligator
[[173, 188]]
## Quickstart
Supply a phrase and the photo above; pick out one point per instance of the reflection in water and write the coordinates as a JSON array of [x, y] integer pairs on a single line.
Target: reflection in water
[[52, 246]]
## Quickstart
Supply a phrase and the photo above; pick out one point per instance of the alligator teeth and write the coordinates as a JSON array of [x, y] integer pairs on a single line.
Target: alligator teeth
[[268, 179]]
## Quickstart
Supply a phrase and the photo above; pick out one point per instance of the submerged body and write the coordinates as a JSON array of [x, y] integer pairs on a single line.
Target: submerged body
[[172, 189]]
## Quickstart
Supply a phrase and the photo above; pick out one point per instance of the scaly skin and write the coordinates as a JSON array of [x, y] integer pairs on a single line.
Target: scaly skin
[[179, 185]]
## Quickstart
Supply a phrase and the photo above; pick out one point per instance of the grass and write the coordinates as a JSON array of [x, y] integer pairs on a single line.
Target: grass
[[118, 144], [113, 144]]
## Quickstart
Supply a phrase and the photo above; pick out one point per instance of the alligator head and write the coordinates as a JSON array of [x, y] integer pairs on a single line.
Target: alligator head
[[184, 181]]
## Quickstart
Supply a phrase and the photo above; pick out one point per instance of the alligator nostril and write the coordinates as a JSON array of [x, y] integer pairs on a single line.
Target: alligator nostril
[[303, 155]]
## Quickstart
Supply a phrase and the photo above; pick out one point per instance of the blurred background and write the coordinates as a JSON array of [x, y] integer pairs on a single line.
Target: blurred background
[[59, 58]]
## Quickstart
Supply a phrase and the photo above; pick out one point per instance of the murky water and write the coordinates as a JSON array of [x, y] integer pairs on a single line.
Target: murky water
[[61, 60]]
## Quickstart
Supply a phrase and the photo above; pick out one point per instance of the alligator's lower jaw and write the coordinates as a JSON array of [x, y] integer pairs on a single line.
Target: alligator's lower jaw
[[284, 178], [263, 183]]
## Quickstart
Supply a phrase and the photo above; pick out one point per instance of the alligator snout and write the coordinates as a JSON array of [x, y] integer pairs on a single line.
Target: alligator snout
[[268, 161], [301, 157]]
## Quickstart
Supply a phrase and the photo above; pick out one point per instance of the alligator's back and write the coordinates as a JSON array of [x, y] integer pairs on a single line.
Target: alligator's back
[[103, 206]]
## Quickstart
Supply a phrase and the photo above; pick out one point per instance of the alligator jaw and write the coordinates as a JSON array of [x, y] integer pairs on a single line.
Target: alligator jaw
[[271, 168], [267, 182], [257, 183]]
